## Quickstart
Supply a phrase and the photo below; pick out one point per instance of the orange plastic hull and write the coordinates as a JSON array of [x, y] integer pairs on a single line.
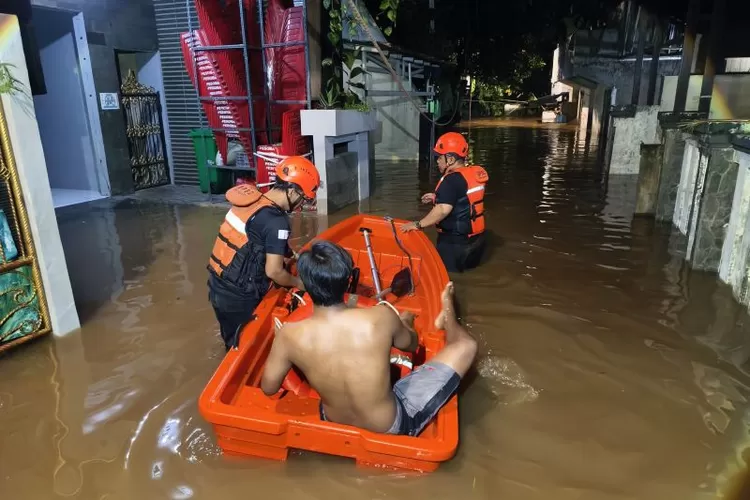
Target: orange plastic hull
[[247, 422]]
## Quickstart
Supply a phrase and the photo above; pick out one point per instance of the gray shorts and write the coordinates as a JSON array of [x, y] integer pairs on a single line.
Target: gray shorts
[[420, 395]]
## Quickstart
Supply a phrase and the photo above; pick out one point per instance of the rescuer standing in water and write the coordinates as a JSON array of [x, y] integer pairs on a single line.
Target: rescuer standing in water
[[253, 245], [458, 210]]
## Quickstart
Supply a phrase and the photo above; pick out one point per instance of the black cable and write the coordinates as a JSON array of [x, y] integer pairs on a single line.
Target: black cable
[[403, 249]]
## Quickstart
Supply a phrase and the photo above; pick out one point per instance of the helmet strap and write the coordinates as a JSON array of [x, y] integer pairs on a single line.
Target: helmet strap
[[289, 203], [289, 208]]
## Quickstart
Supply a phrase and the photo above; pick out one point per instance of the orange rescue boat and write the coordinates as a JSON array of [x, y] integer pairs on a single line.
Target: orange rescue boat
[[405, 270]]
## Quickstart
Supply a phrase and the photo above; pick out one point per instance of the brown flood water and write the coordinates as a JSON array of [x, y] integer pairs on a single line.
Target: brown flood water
[[606, 371]]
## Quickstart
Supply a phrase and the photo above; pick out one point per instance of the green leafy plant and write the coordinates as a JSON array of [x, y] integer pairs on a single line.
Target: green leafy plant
[[388, 15], [343, 60], [9, 84]]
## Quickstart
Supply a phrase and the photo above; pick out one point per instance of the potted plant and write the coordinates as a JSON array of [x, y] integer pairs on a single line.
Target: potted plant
[[343, 117], [341, 111]]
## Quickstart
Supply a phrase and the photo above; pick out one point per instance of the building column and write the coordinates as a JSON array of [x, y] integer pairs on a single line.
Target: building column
[[706, 194], [688, 50], [653, 71], [669, 178], [714, 197], [735, 259], [713, 55], [637, 79], [649, 175], [323, 146]]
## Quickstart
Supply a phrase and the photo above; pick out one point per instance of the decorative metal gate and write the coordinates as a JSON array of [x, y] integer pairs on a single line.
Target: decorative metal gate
[[143, 121]]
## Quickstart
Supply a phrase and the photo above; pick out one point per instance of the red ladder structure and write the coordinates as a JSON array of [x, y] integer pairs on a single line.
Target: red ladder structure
[[251, 86]]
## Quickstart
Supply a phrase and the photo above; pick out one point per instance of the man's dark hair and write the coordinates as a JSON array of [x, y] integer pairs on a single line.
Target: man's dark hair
[[284, 185], [325, 270], [456, 157]]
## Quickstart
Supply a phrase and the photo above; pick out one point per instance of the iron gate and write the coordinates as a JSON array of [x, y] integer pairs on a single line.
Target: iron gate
[[145, 130]]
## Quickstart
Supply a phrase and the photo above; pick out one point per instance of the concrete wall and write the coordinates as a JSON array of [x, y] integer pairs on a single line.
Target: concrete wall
[[737, 65], [649, 175], [598, 106], [620, 203], [400, 133], [570, 108], [629, 134], [671, 171], [734, 266], [670, 89], [62, 111], [730, 98], [110, 25], [342, 180], [618, 73], [684, 203], [584, 109]]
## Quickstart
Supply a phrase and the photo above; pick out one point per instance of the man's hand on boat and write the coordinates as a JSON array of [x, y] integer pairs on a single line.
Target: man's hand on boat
[[277, 272]]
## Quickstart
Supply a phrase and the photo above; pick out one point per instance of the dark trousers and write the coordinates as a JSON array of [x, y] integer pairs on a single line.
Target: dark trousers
[[460, 254], [233, 312]]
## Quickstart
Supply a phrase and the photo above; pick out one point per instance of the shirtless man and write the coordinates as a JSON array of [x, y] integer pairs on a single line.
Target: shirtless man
[[345, 353]]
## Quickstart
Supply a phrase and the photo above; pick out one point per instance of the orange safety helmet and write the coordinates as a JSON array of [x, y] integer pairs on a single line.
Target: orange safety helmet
[[300, 171], [452, 142]]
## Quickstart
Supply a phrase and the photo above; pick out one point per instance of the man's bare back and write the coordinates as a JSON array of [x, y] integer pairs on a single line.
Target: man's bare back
[[345, 353]]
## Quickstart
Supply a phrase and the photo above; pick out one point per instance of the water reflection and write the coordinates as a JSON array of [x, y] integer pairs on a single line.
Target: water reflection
[[608, 369]]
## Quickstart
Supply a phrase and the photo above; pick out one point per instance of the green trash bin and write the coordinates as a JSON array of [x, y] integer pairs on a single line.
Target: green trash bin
[[205, 150]]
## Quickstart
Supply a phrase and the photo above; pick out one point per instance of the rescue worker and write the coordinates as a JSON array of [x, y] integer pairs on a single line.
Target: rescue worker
[[458, 210], [253, 245]]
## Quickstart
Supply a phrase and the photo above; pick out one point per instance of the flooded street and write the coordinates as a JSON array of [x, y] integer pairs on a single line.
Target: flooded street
[[606, 370]]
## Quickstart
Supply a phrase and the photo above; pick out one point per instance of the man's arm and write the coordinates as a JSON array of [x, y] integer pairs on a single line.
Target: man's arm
[[446, 197], [277, 249], [275, 271], [404, 336], [436, 215], [277, 367]]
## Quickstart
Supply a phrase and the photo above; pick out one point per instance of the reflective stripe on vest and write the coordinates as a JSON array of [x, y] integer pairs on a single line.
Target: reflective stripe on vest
[[232, 236], [236, 223], [469, 211]]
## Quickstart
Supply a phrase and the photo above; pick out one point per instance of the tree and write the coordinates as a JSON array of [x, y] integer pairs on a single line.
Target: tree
[[503, 43]]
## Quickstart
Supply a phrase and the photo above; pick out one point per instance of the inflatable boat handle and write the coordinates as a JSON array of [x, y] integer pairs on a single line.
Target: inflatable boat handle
[[298, 297]]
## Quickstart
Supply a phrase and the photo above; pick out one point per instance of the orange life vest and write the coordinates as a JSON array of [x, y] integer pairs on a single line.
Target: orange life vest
[[234, 258], [467, 218]]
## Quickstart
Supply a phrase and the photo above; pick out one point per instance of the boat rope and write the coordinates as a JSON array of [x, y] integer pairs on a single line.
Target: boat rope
[[386, 303]]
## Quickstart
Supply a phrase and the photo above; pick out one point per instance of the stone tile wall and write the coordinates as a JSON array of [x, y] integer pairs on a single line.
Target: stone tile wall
[[715, 207]]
